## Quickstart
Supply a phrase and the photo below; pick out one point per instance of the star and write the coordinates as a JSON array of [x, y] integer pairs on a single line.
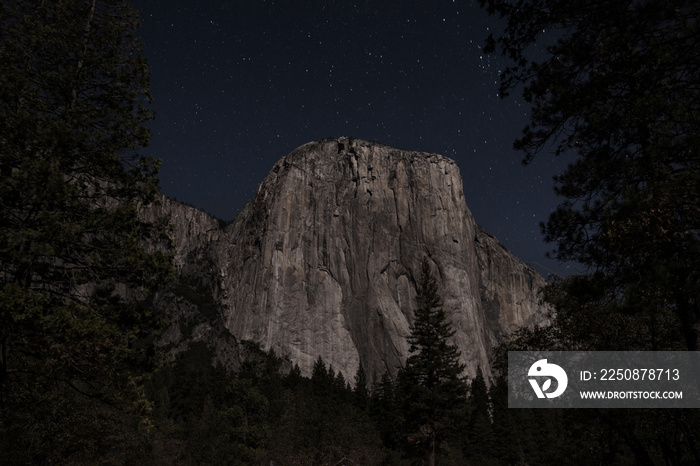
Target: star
[[238, 86]]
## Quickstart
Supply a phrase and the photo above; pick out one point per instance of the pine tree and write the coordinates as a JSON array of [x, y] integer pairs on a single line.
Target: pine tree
[[434, 387], [245, 421], [615, 87], [73, 90], [481, 441], [320, 378], [360, 391], [508, 449], [386, 411]]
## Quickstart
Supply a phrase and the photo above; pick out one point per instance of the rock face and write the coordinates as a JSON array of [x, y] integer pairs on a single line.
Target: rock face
[[324, 260]]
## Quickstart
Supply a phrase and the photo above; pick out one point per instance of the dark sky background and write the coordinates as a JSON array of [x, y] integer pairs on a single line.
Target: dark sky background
[[238, 84]]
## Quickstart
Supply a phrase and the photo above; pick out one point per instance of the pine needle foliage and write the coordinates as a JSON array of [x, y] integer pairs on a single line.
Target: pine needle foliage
[[434, 387], [615, 86], [75, 271]]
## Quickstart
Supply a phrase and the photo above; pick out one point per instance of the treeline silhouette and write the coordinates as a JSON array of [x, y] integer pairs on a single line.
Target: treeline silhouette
[[202, 415]]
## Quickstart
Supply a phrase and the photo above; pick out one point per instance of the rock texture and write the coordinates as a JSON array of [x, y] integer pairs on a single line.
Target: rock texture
[[324, 260]]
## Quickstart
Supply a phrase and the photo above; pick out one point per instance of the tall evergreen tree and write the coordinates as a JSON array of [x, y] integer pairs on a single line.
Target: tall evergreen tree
[[616, 84], [360, 391], [387, 411], [73, 89], [481, 441], [434, 387]]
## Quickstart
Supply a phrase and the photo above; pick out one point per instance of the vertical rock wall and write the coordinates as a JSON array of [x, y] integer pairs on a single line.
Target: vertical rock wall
[[323, 261]]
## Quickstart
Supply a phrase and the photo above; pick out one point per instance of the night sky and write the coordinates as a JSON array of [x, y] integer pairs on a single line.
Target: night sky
[[238, 84]]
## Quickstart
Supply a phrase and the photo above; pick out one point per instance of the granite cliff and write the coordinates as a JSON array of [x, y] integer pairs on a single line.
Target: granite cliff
[[324, 259]]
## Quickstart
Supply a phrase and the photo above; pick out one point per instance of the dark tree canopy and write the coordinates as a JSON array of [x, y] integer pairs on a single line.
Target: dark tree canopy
[[617, 84], [73, 90]]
